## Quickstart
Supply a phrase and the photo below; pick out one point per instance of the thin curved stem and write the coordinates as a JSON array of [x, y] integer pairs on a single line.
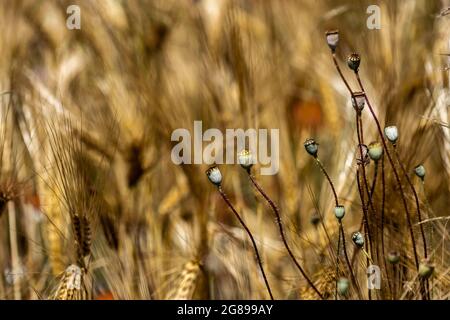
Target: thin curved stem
[[329, 180], [383, 199], [341, 229], [252, 239], [283, 237], [419, 215], [338, 253], [361, 194], [374, 231], [347, 260], [397, 178], [341, 74], [363, 169], [374, 182]]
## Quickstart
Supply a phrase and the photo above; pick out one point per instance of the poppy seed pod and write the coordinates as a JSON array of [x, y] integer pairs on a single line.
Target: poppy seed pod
[[353, 61], [332, 39], [426, 269], [391, 133], [342, 286], [393, 257], [420, 171], [375, 151], [358, 239], [365, 160], [339, 212], [315, 219], [358, 101], [214, 175], [245, 159], [312, 147]]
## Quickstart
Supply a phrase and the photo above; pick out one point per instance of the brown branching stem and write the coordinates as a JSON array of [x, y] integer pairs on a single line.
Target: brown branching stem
[[394, 169]]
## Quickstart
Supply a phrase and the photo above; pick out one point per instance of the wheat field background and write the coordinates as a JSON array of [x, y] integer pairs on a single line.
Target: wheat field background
[[92, 206]]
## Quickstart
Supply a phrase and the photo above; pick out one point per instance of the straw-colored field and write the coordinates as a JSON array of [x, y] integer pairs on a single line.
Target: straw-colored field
[[93, 207]]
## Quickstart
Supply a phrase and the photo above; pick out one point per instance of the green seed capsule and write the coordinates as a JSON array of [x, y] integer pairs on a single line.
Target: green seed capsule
[[342, 286], [358, 239], [420, 171], [391, 133], [426, 269], [339, 212], [393, 257], [375, 151]]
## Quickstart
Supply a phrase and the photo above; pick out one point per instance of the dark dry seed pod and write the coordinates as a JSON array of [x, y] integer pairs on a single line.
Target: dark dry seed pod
[[358, 239], [393, 257], [358, 101], [375, 150], [312, 147], [214, 175], [353, 61], [332, 39], [315, 219], [420, 171]]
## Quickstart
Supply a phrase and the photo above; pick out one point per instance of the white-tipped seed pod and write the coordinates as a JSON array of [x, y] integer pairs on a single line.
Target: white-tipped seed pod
[[339, 212], [426, 269], [245, 159], [332, 39], [312, 147], [214, 175], [420, 171], [391, 133], [393, 257], [342, 286], [358, 101], [375, 151], [358, 239]]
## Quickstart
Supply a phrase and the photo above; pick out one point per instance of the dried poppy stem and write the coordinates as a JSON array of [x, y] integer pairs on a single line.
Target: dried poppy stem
[[361, 190], [383, 199], [374, 231], [394, 169], [361, 194], [347, 260], [419, 215], [340, 73], [322, 168], [312, 148], [374, 182], [252, 239], [282, 234]]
